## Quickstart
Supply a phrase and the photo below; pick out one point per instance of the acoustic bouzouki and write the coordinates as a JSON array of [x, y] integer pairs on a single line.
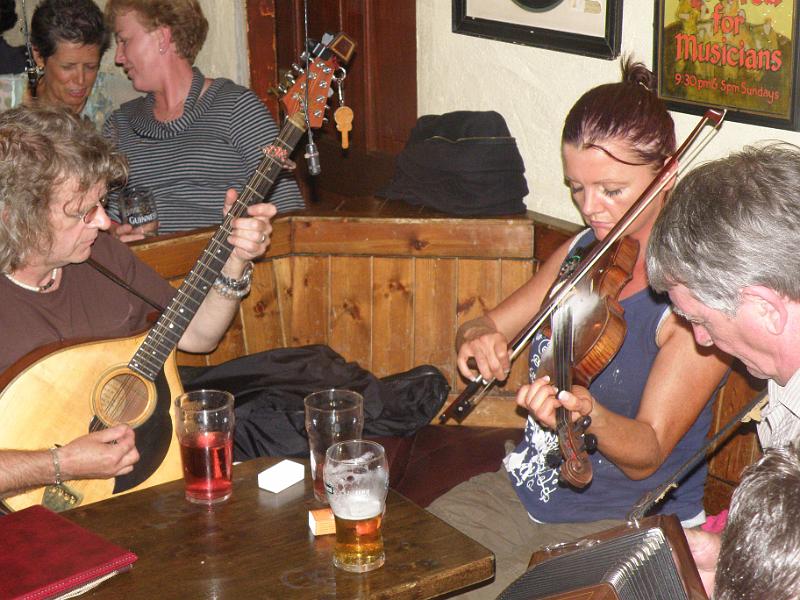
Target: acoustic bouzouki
[[52, 396]]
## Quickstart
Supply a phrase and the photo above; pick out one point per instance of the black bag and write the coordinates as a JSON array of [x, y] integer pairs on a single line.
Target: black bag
[[464, 163], [270, 387]]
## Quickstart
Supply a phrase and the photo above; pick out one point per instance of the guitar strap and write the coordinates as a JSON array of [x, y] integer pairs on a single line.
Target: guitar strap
[[113, 277]]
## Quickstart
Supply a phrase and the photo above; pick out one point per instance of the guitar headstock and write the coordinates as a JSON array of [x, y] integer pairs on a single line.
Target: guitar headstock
[[314, 85]]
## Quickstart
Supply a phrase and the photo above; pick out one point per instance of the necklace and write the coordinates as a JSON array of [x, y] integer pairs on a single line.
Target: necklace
[[35, 288]]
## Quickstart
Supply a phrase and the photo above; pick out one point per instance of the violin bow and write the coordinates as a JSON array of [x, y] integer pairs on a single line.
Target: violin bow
[[751, 412], [477, 389]]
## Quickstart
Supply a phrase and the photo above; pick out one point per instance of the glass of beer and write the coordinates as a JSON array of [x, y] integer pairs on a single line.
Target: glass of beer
[[356, 481], [204, 426], [137, 207], [332, 416]]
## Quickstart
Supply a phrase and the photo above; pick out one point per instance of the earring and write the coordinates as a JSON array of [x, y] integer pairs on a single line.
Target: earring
[[162, 50]]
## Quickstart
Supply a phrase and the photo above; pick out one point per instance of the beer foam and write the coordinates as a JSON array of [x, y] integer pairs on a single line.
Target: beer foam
[[356, 507]]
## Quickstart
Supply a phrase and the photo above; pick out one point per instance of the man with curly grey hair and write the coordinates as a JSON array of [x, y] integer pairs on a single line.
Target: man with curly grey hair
[[54, 173], [726, 248]]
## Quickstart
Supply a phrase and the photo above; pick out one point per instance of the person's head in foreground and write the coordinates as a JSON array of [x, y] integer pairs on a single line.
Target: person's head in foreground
[[760, 554]]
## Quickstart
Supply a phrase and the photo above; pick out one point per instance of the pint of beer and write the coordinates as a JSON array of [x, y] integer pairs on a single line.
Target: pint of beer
[[356, 481]]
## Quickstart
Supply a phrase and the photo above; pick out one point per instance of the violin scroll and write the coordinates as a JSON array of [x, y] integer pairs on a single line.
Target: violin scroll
[[574, 446]]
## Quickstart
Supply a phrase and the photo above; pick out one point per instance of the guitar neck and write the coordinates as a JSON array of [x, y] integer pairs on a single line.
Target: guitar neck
[[170, 327]]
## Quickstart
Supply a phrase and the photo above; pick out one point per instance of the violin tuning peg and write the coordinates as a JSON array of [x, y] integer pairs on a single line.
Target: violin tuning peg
[[582, 424], [553, 458], [590, 442]]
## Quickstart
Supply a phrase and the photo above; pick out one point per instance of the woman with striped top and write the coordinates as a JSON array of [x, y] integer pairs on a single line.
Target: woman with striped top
[[189, 138]]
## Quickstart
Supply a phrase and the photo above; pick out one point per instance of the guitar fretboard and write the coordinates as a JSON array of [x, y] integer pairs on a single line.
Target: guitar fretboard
[[170, 327]]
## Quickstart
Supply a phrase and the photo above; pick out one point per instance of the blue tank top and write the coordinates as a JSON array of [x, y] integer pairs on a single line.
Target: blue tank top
[[619, 388]]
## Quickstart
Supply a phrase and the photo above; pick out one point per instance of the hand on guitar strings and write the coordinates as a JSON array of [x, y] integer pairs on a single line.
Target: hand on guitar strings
[[250, 235], [99, 455], [541, 400]]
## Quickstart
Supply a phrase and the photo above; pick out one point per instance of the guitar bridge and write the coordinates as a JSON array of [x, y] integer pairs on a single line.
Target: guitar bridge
[[60, 497]]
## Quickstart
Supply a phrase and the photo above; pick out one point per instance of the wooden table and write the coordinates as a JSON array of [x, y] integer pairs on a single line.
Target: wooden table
[[258, 545]]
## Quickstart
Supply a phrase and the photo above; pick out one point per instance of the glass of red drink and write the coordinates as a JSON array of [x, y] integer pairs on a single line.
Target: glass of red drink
[[204, 426], [332, 416]]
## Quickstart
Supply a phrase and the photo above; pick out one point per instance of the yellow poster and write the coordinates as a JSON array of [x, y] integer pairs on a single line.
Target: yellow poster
[[737, 54]]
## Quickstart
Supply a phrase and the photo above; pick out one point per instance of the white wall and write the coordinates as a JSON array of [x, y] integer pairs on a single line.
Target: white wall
[[534, 89]]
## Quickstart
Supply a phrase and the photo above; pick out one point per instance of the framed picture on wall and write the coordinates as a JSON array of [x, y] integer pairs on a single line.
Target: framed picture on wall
[[731, 54], [587, 27]]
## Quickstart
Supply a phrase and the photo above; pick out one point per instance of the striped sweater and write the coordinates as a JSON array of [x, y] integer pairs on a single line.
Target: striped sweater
[[190, 162]]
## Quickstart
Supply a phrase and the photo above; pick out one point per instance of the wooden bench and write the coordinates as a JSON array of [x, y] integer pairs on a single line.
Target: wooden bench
[[387, 285]]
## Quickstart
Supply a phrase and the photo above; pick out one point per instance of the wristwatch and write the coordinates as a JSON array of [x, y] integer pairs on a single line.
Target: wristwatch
[[228, 287]]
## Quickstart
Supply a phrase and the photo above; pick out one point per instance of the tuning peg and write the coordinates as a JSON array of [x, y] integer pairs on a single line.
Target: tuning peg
[[553, 458], [298, 69], [582, 424], [590, 442], [290, 78]]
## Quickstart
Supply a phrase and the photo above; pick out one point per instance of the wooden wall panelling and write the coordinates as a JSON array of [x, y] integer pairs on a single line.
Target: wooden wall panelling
[[381, 83], [261, 41], [380, 87], [282, 269], [309, 300], [479, 286], [417, 237], [435, 314], [393, 315], [385, 78], [741, 449], [350, 331], [261, 310], [514, 274]]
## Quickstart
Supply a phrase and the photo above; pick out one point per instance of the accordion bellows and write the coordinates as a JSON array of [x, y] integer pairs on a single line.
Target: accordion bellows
[[648, 560]]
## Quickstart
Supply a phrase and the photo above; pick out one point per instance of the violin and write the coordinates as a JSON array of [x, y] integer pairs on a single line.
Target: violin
[[477, 389], [587, 331]]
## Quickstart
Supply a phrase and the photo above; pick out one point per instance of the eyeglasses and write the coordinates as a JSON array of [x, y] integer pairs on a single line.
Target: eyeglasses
[[89, 214]]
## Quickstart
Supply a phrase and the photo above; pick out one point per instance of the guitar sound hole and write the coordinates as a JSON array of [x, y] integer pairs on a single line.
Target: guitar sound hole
[[124, 399]]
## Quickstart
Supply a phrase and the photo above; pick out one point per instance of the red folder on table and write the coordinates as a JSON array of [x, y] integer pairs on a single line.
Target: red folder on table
[[44, 555]]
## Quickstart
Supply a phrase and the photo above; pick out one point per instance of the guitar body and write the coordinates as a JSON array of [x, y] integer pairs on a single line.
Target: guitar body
[[83, 388]]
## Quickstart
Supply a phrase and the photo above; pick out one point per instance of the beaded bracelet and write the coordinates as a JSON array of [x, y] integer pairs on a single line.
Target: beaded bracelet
[[56, 464], [235, 289], [230, 294]]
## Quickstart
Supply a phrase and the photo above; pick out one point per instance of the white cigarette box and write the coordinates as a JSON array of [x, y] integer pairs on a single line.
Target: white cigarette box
[[279, 477]]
